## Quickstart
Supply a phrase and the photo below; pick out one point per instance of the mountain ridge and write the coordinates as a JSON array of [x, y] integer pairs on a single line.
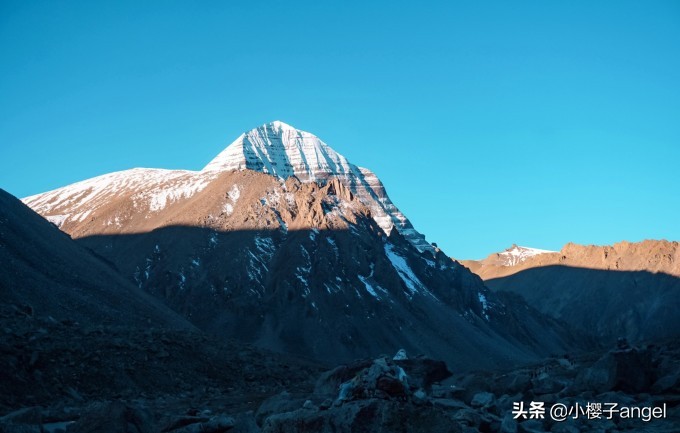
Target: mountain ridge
[[647, 255], [628, 289]]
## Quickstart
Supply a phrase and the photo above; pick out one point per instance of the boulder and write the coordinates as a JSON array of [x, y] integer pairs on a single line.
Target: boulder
[[482, 399], [546, 385], [382, 379], [216, 424], [509, 424], [424, 372], [27, 415], [114, 417], [531, 426], [629, 370], [363, 416], [329, 382], [400, 356], [279, 403]]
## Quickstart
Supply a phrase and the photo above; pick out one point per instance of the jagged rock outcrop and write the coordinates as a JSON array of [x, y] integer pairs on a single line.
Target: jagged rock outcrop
[[489, 401]]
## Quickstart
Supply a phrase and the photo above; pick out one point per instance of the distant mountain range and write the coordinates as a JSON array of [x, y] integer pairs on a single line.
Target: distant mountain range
[[282, 242], [629, 289]]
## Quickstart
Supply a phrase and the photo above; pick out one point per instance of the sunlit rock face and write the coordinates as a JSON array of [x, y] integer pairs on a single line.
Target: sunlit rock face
[[281, 150]]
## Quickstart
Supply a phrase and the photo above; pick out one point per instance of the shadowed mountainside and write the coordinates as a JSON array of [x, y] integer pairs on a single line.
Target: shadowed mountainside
[[75, 331], [637, 305], [45, 269], [629, 289], [333, 295]]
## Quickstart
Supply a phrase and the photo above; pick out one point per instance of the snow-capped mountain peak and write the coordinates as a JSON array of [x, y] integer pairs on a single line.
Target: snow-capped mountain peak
[[281, 150], [283, 126], [275, 148]]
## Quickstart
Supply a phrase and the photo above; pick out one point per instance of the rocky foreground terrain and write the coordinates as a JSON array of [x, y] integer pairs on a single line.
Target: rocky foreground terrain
[[63, 376], [57, 372]]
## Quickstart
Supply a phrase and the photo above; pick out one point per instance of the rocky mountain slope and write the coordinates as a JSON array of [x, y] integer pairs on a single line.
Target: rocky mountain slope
[[624, 290], [282, 242], [53, 276]]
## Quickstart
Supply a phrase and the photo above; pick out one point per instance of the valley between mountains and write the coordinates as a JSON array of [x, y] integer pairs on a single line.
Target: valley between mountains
[[271, 290]]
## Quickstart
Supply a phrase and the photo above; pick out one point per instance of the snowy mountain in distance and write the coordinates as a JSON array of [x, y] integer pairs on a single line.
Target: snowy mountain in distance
[[508, 258], [517, 254]]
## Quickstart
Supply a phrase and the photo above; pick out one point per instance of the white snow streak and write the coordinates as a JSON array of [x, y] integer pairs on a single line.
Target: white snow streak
[[403, 269], [485, 305]]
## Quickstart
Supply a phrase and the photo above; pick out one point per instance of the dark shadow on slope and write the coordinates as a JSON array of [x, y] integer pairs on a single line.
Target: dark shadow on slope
[[50, 275], [637, 305], [333, 295]]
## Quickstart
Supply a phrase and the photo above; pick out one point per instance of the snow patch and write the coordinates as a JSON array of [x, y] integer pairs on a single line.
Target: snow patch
[[371, 291], [148, 188], [403, 269], [485, 305], [57, 220], [234, 193], [162, 195]]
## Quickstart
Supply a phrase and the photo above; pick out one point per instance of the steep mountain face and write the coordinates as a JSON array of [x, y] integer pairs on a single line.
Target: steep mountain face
[[624, 290], [48, 274], [282, 242], [283, 151]]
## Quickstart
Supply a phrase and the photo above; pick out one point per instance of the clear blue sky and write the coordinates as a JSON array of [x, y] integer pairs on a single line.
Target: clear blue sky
[[490, 123]]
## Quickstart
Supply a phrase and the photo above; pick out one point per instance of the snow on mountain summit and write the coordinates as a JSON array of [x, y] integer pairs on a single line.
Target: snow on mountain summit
[[517, 254], [275, 148], [281, 150]]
